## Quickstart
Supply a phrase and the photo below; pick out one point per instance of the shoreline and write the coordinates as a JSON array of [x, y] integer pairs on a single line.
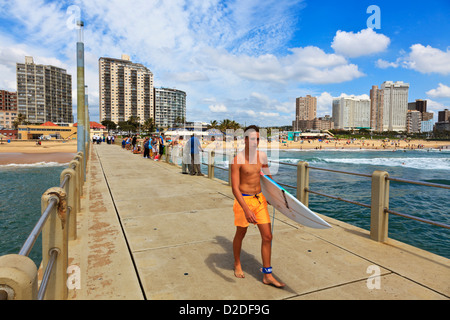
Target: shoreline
[[341, 145], [28, 152], [17, 158]]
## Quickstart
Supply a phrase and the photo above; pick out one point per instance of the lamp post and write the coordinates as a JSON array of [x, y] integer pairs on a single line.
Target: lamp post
[[81, 114]]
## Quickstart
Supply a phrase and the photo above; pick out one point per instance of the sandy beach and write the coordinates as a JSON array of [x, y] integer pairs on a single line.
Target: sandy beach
[[362, 144], [365, 144], [26, 152]]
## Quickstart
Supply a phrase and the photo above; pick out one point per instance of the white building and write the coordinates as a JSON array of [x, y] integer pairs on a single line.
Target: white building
[[351, 113], [170, 107], [395, 105]]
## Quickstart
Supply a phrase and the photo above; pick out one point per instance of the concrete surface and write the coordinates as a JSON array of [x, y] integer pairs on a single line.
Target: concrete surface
[[149, 232]]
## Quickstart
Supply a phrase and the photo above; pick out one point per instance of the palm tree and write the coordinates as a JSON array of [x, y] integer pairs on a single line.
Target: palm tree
[[20, 119], [213, 124]]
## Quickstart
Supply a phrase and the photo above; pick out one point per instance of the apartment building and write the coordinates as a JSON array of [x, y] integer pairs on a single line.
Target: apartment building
[[44, 93], [305, 113], [351, 113], [126, 89], [376, 108], [395, 105], [413, 121], [170, 106], [8, 108]]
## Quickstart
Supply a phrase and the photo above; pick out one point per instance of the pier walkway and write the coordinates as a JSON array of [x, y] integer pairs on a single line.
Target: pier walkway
[[146, 231]]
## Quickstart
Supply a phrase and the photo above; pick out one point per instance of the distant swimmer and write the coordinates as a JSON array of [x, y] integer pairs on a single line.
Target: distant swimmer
[[250, 205]]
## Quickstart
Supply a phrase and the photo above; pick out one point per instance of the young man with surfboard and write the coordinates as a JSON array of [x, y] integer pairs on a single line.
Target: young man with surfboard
[[250, 205]]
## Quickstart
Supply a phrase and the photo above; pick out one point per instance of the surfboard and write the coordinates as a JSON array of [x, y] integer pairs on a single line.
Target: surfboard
[[290, 206]]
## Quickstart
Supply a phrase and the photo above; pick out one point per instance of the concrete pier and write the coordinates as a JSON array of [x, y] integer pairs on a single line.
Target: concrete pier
[[146, 231]]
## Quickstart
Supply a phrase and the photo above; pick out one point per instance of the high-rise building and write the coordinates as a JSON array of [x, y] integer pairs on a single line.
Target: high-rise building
[[376, 108], [305, 113], [419, 105], [44, 93], [413, 121], [351, 113], [126, 90], [305, 108], [8, 108], [444, 116], [170, 106], [395, 105]]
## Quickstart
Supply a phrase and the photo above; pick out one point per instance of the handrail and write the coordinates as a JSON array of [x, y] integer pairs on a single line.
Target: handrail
[[48, 270], [428, 184], [29, 243], [438, 224]]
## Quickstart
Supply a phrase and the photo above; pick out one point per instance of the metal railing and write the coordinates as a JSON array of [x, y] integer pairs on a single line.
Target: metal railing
[[379, 206], [57, 224]]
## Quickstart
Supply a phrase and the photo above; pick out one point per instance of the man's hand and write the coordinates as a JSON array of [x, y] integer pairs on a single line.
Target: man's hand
[[250, 216]]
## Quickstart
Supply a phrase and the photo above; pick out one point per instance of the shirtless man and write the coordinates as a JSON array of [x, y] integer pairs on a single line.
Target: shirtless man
[[250, 205]]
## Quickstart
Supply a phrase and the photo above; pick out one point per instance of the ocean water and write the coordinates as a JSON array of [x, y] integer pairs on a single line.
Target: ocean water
[[21, 188], [421, 201]]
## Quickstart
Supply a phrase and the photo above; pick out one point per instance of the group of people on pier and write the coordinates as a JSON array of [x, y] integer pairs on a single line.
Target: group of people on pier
[[155, 146]]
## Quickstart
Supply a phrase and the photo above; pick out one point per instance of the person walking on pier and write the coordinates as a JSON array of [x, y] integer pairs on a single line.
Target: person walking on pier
[[195, 148], [250, 205]]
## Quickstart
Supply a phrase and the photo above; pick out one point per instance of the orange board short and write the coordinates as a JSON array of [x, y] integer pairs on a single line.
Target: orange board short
[[257, 204]]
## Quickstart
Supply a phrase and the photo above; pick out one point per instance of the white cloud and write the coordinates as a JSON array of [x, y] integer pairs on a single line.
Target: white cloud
[[442, 91], [383, 64], [218, 108], [364, 42], [428, 60], [269, 114], [309, 65], [324, 104], [188, 76]]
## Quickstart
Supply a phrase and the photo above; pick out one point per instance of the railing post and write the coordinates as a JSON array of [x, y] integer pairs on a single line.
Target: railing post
[[211, 156], [18, 278], [72, 200], [167, 152], [302, 182], [78, 177], [83, 167], [54, 236], [379, 218], [230, 162]]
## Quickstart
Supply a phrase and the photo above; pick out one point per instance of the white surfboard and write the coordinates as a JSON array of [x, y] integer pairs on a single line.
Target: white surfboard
[[290, 206]]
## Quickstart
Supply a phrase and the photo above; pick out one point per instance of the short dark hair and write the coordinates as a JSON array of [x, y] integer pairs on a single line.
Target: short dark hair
[[252, 127]]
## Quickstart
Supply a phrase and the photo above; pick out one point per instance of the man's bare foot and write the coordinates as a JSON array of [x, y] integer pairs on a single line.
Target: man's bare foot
[[238, 272], [270, 280]]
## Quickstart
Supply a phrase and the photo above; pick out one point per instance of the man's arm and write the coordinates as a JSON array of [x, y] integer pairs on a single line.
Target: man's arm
[[265, 164], [235, 182]]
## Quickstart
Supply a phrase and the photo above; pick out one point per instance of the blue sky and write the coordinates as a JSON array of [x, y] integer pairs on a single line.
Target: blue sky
[[246, 60]]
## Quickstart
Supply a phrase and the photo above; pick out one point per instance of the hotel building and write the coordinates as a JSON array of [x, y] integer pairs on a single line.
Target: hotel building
[[126, 89], [395, 105], [44, 93], [170, 106], [351, 113]]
